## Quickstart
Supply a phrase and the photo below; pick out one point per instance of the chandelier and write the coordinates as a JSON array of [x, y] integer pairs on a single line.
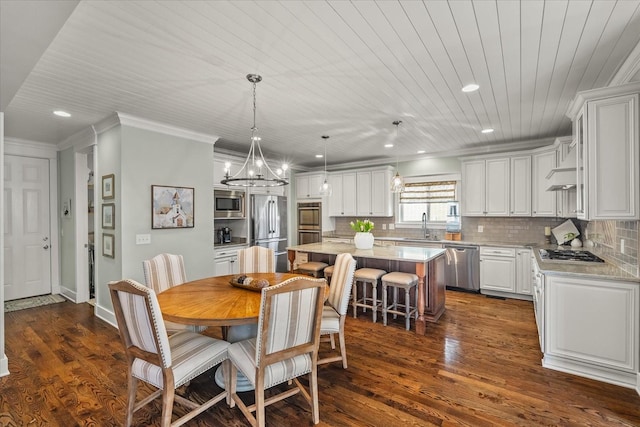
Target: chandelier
[[325, 188], [255, 172], [397, 182]]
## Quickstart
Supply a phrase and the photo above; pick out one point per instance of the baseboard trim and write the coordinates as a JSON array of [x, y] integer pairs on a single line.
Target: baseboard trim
[[106, 315], [69, 294], [4, 366], [607, 375]]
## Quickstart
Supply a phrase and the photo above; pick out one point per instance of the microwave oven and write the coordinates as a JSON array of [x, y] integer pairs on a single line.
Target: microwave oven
[[228, 204]]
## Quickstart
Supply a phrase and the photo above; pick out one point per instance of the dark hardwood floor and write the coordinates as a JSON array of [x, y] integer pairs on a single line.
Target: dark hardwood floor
[[479, 366]]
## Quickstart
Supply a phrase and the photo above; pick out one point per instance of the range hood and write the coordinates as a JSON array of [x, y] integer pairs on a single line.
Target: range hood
[[564, 176]]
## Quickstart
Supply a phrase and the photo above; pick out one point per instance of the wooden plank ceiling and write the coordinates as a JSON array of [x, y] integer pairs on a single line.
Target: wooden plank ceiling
[[344, 69]]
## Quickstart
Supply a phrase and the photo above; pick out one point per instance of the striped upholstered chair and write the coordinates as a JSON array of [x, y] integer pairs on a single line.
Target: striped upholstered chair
[[274, 357], [335, 310], [163, 272], [157, 359], [257, 259]]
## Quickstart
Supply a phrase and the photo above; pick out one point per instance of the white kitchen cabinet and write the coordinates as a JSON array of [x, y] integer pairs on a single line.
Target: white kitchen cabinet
[[485, 187], [567, 203], [497, 269], [308, 185], [373, 195], [473, 188], [520, 200], [544, 202], [606, 128], [342, 201], [226, 262], [523, 272], [592, 328]]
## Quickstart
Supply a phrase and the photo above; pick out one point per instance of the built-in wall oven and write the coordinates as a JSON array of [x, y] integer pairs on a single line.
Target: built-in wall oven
[[309, 222]]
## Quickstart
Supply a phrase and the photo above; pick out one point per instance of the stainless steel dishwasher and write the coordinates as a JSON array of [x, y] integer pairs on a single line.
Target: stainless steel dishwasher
[[462, 268]]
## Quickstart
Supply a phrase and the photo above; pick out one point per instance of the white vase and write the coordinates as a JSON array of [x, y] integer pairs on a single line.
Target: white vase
[[363, 240]]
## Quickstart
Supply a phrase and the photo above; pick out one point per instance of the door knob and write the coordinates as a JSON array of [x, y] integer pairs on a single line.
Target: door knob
[[45, 247]]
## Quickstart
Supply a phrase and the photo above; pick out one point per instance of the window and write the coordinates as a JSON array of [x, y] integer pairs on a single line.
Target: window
[[430, 197]]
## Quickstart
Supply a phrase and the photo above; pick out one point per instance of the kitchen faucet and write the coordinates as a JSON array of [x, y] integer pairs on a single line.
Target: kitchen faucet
[[424, 225]]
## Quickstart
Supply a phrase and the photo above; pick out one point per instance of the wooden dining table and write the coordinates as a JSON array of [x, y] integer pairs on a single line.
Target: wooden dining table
[[213, 301]]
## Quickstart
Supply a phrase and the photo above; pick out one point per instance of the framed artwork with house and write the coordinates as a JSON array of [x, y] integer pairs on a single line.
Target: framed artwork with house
[[172, 207]]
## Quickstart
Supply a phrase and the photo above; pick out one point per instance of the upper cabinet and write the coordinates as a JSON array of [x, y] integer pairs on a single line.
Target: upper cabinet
[[308, 185], [606, 129], [342, 201], [520, 196], [486, 187], [373, 196], [544, 202]]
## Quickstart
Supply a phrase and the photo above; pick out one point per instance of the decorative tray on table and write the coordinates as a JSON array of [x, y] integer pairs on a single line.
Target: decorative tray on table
[[249, 283]]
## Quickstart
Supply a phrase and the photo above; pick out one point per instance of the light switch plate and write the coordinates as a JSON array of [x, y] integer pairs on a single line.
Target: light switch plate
[[392, 227], [481, 229], [143, 239]]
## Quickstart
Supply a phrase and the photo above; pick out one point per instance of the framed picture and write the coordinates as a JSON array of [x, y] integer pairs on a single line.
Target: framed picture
[[171, 207], [108, 186], [108, 248], [109, 215]]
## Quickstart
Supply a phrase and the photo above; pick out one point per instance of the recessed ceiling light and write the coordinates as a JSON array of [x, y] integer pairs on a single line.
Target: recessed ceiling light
[[471, 87], [388, 145], [61, 113], [318, 156], [421, 151], [487, 130]]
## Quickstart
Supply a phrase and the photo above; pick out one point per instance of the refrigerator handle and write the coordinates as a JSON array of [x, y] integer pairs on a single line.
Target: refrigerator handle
[[271, 207]]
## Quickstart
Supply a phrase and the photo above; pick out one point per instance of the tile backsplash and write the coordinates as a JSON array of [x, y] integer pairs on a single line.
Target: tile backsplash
[[606, 235]]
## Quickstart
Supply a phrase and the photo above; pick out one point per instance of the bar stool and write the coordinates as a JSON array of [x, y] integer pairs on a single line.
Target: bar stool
[[312, 268], [366, 276], [398, 280], [328, 272]]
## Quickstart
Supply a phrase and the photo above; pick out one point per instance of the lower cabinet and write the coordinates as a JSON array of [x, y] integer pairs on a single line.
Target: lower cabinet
[[226, 262], [505, 272], [592, 328]]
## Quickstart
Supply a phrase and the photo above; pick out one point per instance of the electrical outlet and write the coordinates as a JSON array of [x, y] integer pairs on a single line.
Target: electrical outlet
[[391, 226], [143, 239], [481, 229], [621, 246]]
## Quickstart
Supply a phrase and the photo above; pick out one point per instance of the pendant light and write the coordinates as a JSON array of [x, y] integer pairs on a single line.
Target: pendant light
[[325, 188], [255, 172], [397, 182]]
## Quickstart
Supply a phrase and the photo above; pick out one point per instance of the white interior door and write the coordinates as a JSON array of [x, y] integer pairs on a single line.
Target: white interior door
[[27, 237]]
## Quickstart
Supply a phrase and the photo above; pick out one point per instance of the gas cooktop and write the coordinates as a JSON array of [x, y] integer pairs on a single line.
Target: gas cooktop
[[568, 255]]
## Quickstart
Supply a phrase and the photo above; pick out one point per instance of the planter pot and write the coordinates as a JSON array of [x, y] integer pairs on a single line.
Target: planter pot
[[363, 240]]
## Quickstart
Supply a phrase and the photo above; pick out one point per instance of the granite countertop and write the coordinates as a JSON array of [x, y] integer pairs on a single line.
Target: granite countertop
[[400, 253], [605, 270]]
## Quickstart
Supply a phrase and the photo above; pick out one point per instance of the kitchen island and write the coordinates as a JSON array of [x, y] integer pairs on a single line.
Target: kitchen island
[[426, 263]]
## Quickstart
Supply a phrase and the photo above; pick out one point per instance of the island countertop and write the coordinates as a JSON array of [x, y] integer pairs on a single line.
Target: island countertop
[[394, 253]]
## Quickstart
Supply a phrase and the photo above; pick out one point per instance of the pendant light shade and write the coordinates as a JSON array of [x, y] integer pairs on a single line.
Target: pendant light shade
[[255, 172], [397, 182], [325, 188]]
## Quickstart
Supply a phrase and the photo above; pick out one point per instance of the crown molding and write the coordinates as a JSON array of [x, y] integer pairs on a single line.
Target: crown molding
[[23, 147], [79, 140], [137, 122], [629, 68]]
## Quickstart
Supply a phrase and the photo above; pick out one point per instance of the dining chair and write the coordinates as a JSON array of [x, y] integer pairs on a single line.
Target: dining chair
[[165, 362], [335, 310], [257, 259], [285, 348], [162, 272]]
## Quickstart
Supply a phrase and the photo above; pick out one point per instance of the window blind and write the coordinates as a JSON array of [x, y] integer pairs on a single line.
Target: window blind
[[429, 192]]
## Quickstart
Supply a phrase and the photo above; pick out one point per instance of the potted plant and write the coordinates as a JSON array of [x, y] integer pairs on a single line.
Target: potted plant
[[363, 238]]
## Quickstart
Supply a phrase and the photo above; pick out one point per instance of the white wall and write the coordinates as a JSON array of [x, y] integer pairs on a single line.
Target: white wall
[[66, 186], [4, 362]]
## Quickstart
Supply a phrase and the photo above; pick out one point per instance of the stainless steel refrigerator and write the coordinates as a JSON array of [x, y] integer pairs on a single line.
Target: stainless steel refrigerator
[[269, 226]]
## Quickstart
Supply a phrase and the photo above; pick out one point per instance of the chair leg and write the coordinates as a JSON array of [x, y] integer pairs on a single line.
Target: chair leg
[[260, 422], [354, 298], [395, 301], [332, 339], [374, 297], [313, 390], [343, 347], [131, 403], [407, 309], [364, 296], [384, 304], [167, 406]]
